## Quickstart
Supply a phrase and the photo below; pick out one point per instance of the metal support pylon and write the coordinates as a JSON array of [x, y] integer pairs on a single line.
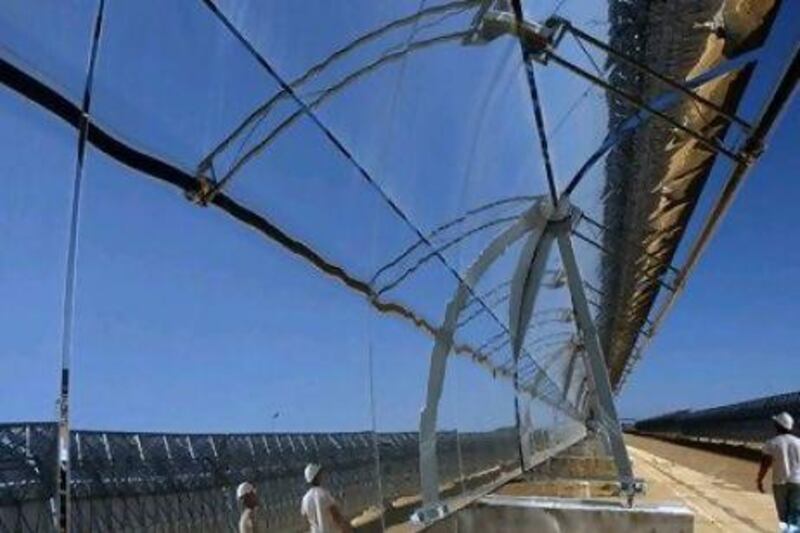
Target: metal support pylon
[[545, 225]]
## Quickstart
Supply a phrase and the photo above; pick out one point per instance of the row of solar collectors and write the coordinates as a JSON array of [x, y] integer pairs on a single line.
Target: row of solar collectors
[[745, 422], [142, 482]]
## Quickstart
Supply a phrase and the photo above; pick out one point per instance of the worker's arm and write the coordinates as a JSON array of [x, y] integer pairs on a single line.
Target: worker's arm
[[340, 520], [766, 462]]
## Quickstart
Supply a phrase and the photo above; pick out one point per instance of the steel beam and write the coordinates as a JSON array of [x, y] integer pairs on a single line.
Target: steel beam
[[525, 285], [597, 370], [712, 144], [570, 373], [580, 34]]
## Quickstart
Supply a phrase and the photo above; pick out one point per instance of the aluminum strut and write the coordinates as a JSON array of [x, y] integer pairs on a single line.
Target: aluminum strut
[[675, 84], [599, 382], [539, 42]]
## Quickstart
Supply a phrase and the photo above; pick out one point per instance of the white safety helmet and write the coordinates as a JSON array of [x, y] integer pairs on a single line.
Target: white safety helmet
[[244, 489], [784, 420], [311, 471]]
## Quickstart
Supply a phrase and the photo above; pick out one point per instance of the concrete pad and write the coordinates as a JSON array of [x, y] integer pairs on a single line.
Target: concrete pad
[[511, 514], [562, 488]]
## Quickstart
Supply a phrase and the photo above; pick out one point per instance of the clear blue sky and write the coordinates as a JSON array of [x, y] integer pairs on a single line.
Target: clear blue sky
[[187, 321]]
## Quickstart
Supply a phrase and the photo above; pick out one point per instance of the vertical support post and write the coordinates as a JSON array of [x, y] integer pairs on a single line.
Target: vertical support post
[[525, 285], [597, 370], [62, 501], [524, 429]]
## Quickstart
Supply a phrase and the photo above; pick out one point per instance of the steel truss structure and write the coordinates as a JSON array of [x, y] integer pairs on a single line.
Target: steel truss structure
[[114, 481], [538, 43], [541, 227]]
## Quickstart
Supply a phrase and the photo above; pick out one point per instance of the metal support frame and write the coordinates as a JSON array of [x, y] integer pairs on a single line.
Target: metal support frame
[[711, 143], [175, 482], [752, 147], [599, 381], [595, 385], [545, 225], [540, 41], [611, 51], [570, 374], [533, 221], [64, 484]]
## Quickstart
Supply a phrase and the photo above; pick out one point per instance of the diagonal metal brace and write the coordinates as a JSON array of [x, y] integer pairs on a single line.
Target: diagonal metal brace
[[599, 382], [539, 42]]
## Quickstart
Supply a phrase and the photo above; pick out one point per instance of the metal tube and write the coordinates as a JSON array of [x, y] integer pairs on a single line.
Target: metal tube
[[525, 285], [644, 68], [605, 250], [771, 112], [570, 374], [322, 65], [597, 369], [629, 241], [662, 101], [711, 144], [64, 508]]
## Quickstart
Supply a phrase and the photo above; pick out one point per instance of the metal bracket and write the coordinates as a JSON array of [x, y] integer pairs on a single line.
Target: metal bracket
[[537, 39], [207, 188], [428, 514], [539, 42]]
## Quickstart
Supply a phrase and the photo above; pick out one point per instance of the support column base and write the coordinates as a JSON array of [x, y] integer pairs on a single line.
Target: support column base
[[429, 513]]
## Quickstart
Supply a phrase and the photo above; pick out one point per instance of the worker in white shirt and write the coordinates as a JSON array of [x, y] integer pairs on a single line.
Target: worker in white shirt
[[247, 498], [782, 453], [320, 507]]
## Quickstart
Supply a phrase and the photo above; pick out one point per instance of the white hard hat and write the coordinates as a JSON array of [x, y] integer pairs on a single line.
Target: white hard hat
[[784, 420], [243, 489], [312, 469]]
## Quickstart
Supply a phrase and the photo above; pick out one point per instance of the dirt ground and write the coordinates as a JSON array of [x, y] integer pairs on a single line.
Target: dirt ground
[[718, 487]]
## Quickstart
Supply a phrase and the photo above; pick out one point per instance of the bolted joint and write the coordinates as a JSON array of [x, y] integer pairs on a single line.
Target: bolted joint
[[536, 39], [204, 193], [752, 150], [566, 216], [631, 488]]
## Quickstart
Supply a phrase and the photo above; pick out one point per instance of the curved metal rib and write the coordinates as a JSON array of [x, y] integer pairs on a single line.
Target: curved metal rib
[[330, 91], [331, 59]]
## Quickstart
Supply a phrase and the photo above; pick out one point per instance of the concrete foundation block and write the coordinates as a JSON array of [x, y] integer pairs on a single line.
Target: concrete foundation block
[[552, 515]]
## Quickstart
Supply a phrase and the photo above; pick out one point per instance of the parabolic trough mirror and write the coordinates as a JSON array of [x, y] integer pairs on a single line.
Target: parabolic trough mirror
[[421, 243]]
